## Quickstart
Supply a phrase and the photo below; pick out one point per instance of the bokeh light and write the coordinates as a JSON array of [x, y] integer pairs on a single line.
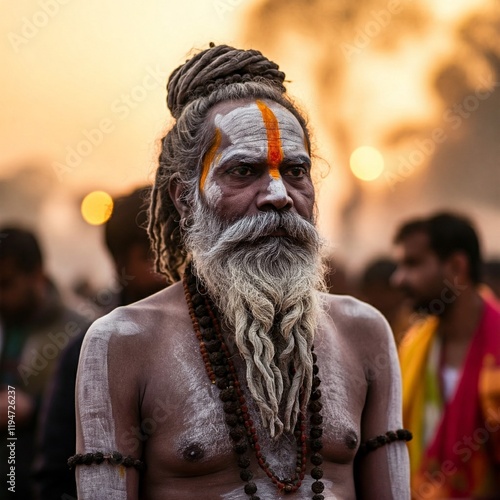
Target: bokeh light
[[97, 207], [366, 163]]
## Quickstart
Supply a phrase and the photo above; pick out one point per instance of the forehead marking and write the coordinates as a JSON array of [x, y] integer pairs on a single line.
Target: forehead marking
[[274, 149], [209, 158]]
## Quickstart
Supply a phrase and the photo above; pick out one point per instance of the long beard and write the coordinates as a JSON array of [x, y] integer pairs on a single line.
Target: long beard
[[266, 289]]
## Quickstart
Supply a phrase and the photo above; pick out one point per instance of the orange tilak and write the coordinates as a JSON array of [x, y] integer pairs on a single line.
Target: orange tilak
[[209, 158], [274, 150]]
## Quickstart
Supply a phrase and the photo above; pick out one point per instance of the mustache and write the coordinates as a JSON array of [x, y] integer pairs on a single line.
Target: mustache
[[249, 230]]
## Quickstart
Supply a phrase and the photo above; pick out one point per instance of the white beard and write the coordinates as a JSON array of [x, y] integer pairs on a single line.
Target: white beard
[[266, 289]]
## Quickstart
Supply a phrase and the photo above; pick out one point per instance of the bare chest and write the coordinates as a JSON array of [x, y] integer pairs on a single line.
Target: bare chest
[[184, 419]]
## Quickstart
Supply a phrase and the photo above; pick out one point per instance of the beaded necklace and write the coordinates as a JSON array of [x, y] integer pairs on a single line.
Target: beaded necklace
[[221, 372]]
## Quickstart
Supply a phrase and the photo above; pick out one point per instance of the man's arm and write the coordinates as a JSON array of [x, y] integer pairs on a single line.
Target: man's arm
[[385, 470], [107, 409]]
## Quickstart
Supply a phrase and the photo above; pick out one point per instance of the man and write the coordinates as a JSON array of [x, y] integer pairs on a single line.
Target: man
[[210, 388], [34, 328], [450, 362], [127, 241]]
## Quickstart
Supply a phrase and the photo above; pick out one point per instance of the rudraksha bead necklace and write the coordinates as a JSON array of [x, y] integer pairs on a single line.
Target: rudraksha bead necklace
[[221, 371]]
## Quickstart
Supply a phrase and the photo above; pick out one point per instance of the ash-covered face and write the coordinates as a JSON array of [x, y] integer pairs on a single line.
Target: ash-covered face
[[258, 161]]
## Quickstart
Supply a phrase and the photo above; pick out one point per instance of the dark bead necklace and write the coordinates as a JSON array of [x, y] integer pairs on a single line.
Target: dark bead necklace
[[221, 371]]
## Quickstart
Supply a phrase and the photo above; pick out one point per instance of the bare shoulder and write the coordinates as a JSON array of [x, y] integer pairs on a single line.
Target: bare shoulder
[[141, 321], [358, 323]]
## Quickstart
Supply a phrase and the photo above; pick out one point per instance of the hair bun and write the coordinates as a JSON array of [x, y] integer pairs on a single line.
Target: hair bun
[[217, 66]]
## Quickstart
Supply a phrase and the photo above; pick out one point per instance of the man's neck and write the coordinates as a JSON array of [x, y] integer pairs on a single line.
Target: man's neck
[[459, 322]]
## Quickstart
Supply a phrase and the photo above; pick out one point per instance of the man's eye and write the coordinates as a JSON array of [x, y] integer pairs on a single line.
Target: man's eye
[[297, 171], [242, 171]]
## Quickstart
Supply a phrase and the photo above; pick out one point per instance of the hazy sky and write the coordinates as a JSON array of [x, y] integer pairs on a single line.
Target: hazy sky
[[83, 97], [71, 68]]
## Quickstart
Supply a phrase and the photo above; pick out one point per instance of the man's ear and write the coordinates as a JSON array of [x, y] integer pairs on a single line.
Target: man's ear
[[460, 266], [176, 189]]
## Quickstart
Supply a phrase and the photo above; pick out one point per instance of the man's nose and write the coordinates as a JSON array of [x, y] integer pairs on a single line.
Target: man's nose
[[273, 195]]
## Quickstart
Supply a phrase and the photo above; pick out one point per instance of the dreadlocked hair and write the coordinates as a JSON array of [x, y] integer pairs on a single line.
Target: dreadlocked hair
[[219, 73]]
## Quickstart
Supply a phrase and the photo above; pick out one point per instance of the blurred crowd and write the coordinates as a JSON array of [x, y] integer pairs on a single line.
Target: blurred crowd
[[435, 276]]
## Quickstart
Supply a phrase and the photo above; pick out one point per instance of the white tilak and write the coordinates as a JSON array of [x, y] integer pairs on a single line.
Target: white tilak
[[242, 122], [276, 188]]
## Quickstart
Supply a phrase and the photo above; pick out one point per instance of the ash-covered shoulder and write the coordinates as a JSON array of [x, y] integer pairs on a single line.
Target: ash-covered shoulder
[[357, 320], [140, 321]]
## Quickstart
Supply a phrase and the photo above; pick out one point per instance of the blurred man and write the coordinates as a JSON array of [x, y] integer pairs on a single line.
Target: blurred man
[[127, 241], [35, 327], [213, 383], [450, 362]]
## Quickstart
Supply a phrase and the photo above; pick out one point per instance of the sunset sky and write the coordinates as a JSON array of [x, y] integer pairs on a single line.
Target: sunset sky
[[83, 95]]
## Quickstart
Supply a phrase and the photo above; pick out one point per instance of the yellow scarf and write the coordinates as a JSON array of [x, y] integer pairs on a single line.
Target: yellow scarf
[[413, 353]]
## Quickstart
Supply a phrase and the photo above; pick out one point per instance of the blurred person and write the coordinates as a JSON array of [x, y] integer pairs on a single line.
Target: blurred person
[[210, 388], [450, 361], [128, 243], [491, 281], [376, 288], [35, 327]]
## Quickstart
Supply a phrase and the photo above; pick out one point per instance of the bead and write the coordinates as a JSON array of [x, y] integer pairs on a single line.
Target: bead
[[316, 382], [240, 448], [316, 432], [317, 473], [201, 311], [318, 487], [230, 406], [316, 444], [231, 419], [316, 419], [250, 488], [243, 462], [213, 345], [236, 433], [222, 383], [220, 370], [316, 394], [227, 394], [316, 459], [318, 497], [246, 475], [217, 358], [315, 369], [315, 406]]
